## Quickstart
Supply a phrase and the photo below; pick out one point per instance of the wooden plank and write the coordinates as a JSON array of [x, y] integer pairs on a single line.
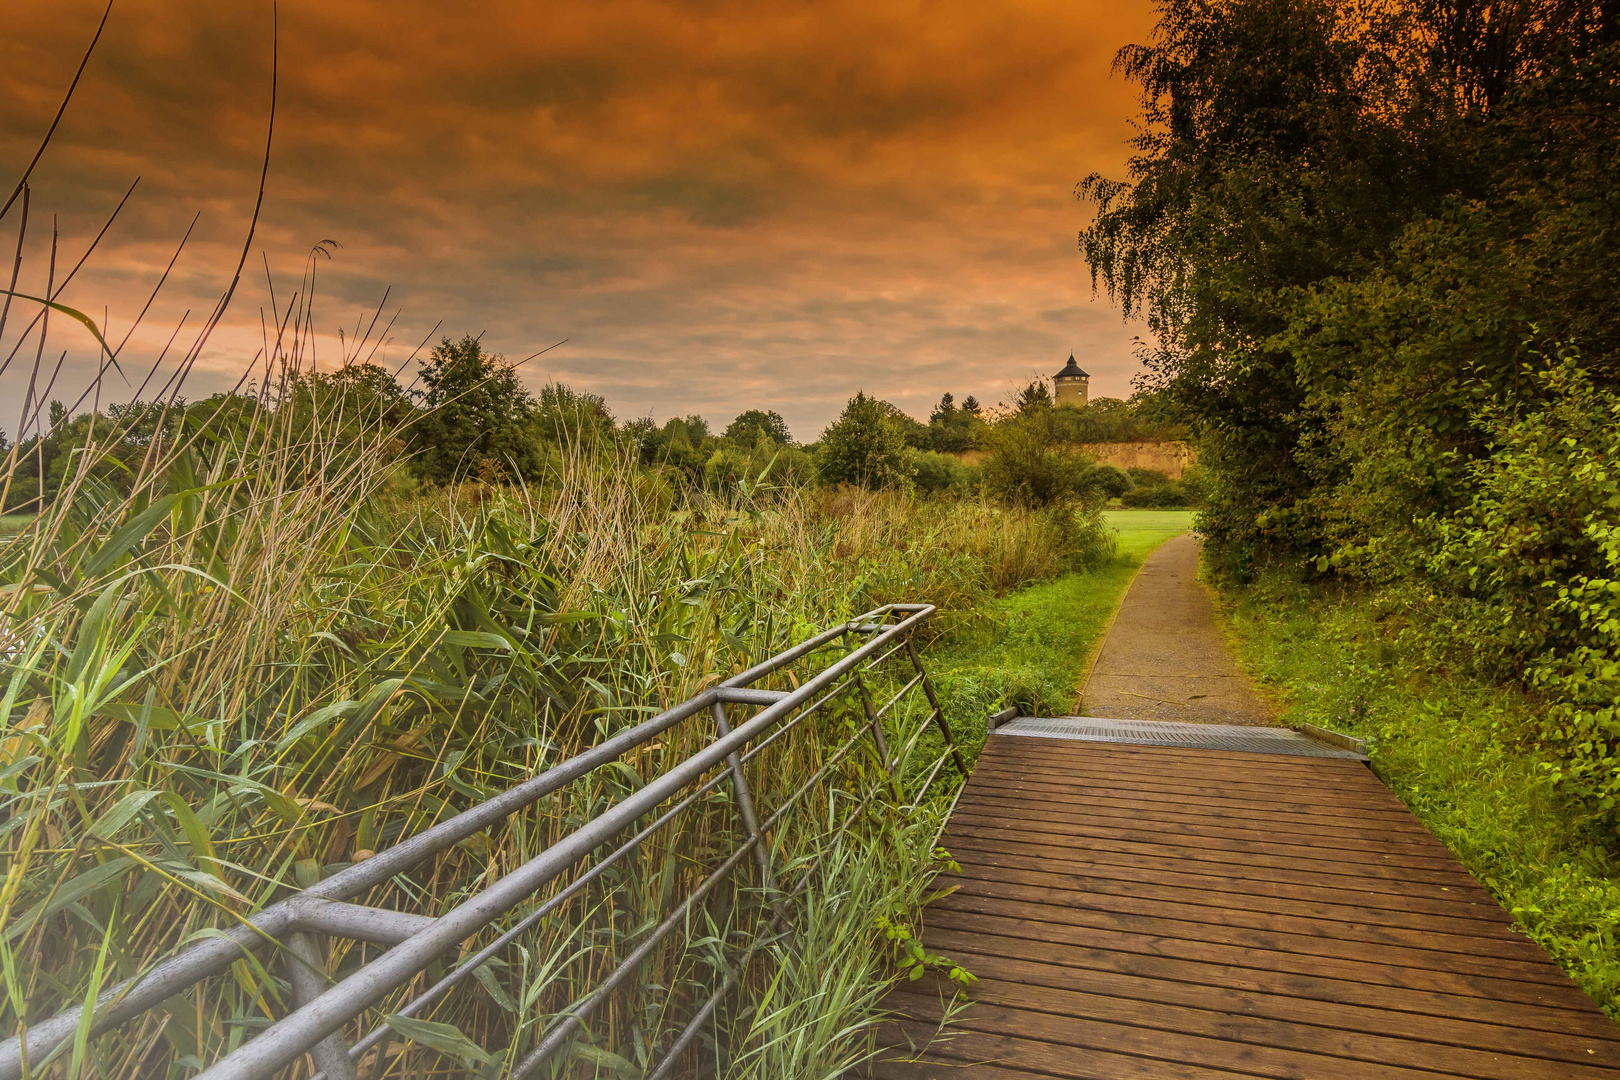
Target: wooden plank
[[1023, 787], [1172, 912], [1328, 773], [1374, 967], [1080, 1037], [1345, 833], [1214, 894], [1223, 864], [984, 958], [1208, 1037], [962, 1053], [1147, 831], [977, 938], [1278, 884], [997, 898], [1134, 785]]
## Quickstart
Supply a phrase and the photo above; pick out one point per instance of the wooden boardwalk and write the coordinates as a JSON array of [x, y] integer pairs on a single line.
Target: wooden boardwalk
[[1190, 914]]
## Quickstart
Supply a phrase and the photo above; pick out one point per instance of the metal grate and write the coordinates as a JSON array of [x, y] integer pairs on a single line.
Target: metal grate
[[1253, 740]]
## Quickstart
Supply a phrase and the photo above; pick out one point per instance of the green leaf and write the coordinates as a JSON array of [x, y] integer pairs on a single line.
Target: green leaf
[[108, 825], [97, 877], [447, 1039], [606, 1058], [476, 639], [131, 533]]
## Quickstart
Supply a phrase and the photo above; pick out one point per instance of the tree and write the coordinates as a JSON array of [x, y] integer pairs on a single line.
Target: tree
[[1034, 397], [945, 410], [752, 425], [971, 406], [866, 446], [477, 417]]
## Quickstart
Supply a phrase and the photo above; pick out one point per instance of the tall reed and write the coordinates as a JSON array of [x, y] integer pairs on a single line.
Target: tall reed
[[257, 659]]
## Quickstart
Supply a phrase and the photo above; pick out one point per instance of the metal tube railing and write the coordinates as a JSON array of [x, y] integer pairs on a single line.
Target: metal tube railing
[[322, 1011]]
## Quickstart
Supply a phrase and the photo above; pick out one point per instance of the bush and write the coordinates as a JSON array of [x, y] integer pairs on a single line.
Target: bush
[[1532, 565], [941, 473], [1166, 496], [865, 446], [1147, 477], [1026, 468], [1107, 480]]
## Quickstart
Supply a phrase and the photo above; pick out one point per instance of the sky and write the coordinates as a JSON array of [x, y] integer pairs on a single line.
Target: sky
[[716, 205]]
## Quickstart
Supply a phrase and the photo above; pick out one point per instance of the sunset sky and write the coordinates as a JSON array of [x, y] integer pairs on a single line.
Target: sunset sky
[[720, 205]]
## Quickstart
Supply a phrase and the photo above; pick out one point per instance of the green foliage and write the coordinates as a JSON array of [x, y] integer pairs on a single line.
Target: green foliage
[[1034, 398], [478, 421], [935, 473], [1532, 564], [1141, 477], [1163, 496], [1027, 465], [953, 430], [865, 446], [753, 425], [1109, 481]]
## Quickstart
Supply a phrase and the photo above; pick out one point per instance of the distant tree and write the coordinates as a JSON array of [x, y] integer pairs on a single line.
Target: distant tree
[[1033, 397], [565, 415], [750, 426], [866, 445], [478, 416], [951, 430], [971, 406]]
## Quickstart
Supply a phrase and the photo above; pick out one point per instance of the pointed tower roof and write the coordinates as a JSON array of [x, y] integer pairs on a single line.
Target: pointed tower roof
[[1071, 370]]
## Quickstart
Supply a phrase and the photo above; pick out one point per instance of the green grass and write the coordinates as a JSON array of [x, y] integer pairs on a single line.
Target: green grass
[[1149, 526], [12, 524], [1033, 646], [1461, 754]]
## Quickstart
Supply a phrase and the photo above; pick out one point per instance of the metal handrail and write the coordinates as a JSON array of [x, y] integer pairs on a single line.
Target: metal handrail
[[315, 1025]]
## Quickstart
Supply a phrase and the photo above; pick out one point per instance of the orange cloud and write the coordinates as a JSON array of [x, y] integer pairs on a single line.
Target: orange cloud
[[720, 204]]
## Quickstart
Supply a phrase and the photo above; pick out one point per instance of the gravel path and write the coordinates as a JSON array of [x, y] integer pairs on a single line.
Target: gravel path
[[1165, 657]]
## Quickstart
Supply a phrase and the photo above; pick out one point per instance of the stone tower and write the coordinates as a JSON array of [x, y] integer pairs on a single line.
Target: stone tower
[[1071, 384]]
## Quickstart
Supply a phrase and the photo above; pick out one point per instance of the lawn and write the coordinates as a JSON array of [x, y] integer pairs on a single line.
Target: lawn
[[1033, 646], [12, 524]]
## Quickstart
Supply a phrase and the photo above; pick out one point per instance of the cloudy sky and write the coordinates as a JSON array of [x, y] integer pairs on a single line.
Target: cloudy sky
[[718, 204]]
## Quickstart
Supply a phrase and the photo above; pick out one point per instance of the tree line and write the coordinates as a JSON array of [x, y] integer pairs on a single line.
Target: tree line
[[469, 418]]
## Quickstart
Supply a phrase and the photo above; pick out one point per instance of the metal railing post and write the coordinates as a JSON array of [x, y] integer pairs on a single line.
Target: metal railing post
[[933, 701], [306, 970], [745, 808], [876, 724]]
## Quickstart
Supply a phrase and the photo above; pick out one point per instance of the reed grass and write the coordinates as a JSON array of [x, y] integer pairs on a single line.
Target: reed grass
[[258, 660]]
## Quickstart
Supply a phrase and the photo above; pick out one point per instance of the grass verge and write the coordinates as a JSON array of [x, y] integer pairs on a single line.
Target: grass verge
[[1461, 754], [1033, 646]]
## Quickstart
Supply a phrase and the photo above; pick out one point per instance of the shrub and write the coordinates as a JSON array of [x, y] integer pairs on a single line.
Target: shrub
[[865, 446], [1167, 496], [940, 473], [1147, 477], [1026, 468], [1108, 480]]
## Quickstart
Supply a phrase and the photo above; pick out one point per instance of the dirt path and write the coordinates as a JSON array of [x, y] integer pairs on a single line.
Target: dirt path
[[1165, 658]]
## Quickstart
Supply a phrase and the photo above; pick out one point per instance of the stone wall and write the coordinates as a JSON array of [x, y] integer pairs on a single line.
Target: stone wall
[[1170, 458]]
